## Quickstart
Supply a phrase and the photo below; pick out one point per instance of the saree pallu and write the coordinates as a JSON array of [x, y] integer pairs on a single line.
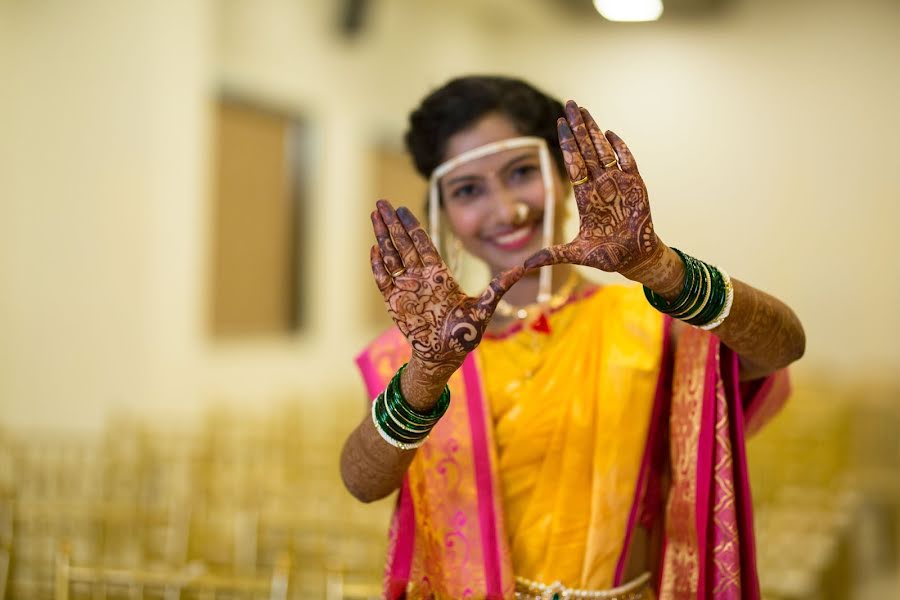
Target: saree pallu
[[448, 538]]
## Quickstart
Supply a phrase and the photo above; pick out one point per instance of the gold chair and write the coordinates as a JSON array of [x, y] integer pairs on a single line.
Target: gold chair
[[341, 584], [74, 582]]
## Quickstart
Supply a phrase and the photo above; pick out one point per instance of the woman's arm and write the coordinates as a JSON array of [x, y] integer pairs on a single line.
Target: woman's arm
[[761, 329], [370, 467], [616, 233], [441, 324]]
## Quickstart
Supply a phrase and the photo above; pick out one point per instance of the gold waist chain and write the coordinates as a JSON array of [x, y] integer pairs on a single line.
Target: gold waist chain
[[638, 589]]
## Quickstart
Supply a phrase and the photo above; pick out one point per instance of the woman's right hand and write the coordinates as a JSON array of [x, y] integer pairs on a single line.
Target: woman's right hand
[[441, 323]]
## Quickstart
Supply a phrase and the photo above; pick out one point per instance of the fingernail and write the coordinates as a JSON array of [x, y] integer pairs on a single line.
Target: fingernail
[[406, 217]]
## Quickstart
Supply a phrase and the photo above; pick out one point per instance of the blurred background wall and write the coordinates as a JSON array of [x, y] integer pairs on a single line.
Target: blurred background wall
[[767, 135], [766, 131]]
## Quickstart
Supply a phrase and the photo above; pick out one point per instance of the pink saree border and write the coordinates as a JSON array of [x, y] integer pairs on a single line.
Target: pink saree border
[[376, 363], [705, 466], [743, 499], [487, 500]]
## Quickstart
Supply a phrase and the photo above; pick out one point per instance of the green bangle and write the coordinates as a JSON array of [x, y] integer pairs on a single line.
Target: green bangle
[[402, 407], [703, 296], [697, 285], [396, 432], [403, 423], [396, 402], [389, 437], [716, 302], [687, 289]]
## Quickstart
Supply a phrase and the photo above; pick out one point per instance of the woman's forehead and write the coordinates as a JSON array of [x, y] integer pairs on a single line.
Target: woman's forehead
[[493, 127]]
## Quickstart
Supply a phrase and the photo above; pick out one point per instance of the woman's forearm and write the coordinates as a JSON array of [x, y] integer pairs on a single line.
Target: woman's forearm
[[765, 332], [762, 330], [370, 467]]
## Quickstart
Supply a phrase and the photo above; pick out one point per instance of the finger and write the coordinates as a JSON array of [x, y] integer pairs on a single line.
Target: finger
[[427, 252], [498, 286], [626, 158], [561, 253], [574, 162], [382, 277], [583, 139], [605, 151], [402, 241], [389, 255]]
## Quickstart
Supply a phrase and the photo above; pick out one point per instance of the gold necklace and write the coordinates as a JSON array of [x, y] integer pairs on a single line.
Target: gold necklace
[[521, 313]]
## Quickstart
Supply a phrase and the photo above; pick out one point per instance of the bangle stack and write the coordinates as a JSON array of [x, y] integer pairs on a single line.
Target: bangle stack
[[398, 423], [706, 298]]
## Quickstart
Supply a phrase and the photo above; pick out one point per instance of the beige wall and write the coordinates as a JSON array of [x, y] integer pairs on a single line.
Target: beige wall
[[767, 139], [102, 174]]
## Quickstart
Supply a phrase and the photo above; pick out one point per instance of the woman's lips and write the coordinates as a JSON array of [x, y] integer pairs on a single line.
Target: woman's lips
[[517, 238]]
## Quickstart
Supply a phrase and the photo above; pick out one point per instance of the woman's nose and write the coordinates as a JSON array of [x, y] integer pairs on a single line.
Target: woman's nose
[[505, 204]]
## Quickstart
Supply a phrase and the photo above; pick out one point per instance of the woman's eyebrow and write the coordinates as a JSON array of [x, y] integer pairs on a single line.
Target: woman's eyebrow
[[516, 159], [461, 178]]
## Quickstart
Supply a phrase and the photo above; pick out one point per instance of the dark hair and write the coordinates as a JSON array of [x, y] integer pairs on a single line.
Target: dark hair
[[461, 102]]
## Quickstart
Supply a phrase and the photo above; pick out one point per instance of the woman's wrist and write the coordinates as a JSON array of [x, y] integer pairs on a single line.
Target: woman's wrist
[[422, 383], [664, 275]]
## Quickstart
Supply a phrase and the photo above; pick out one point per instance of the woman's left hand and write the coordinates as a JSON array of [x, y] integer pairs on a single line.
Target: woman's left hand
[[616, 231]]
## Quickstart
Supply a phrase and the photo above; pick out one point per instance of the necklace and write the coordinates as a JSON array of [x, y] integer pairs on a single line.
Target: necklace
[[521, 313]]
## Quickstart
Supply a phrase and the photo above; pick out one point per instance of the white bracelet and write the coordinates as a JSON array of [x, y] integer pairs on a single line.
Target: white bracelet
[[387, 438], [726, 310]]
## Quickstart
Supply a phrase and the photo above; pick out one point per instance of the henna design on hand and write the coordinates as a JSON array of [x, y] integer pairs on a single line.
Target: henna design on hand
[[441, 323], [616, 231]]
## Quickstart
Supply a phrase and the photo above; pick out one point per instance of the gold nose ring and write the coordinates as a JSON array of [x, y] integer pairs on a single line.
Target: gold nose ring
[[522, 211]]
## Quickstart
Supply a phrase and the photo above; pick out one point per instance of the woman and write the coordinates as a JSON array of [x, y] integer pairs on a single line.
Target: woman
[[594, 444]]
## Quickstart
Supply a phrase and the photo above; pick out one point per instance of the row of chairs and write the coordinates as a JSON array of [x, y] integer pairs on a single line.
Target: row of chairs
[[246, 506], [239, 507]]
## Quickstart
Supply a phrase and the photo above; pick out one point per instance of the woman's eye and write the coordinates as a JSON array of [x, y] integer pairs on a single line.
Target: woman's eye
[[523, 172], [467, 191]]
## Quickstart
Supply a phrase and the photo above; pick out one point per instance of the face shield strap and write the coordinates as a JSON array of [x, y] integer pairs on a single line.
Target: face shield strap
[[434, 208]]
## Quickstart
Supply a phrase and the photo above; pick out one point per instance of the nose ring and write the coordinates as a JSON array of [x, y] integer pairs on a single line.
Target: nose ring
[[522, 211]]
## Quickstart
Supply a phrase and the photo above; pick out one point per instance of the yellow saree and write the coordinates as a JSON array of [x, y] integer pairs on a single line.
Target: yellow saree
[[571, 411], [558, 443]]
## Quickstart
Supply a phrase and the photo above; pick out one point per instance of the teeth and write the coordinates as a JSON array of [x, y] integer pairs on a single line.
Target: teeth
[[514, 236]]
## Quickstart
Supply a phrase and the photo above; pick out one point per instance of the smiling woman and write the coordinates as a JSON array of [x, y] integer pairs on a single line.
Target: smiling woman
[[589, 441]]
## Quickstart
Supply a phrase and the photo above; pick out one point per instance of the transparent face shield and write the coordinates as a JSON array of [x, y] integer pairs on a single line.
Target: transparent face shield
[[440, 232]]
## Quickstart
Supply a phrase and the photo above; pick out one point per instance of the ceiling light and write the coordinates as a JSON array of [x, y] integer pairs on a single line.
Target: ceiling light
[[629, 10]]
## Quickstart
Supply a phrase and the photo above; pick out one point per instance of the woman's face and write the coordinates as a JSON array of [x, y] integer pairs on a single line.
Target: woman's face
[[480, 196]]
